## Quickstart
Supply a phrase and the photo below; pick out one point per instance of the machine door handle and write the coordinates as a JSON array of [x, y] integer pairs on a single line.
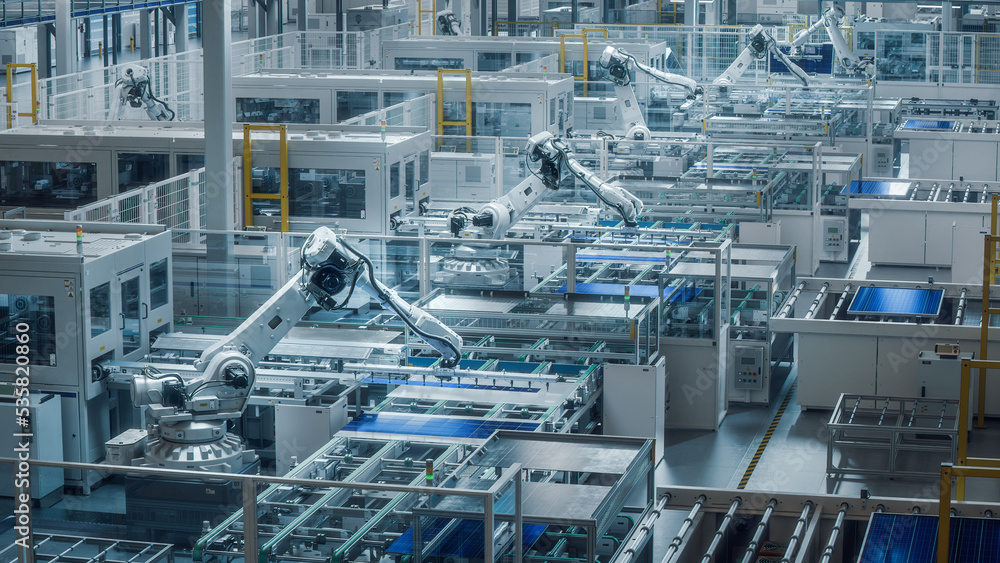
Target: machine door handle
[[122, 315], [145, 311]]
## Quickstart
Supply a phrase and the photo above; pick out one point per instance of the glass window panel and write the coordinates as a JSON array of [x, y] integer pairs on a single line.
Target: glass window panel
[[189, 162], [131, 333], [277, 110], [492, 62], [136, 170], [393, 98], [394, 180], [38, 313], [100, 309], [64, 185], [352, 104], [333, 193], [427, 63], [158, 288], [411, 179], [425, 167]]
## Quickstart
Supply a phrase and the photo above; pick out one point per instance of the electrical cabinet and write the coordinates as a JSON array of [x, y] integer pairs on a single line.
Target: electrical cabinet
[[45, 415], [834, 235], [463, 176], [748, 368], [18, 45], [84, 302]]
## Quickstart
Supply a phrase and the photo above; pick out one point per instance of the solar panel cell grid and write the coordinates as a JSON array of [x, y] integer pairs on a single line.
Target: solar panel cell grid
[[912, 538]]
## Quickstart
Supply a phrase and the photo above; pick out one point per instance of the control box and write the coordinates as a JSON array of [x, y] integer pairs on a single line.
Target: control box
[[834, 233], [882, 160], [748, 363]]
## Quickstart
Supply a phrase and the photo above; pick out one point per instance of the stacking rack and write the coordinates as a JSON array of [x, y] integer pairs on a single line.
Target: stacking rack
[[915, 432]]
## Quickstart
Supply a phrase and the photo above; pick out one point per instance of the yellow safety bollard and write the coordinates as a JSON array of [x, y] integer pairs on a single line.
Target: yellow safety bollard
[[131, 43], [100, 50]]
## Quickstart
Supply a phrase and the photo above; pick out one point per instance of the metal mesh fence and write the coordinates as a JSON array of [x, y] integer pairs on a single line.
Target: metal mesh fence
[[170, 203]]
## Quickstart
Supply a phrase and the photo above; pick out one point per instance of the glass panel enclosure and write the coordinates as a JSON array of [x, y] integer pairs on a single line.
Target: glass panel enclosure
[[47, 184], [130, 327], [277, 110], [140, 169], [100, 308], [158, 288], [38, 313]]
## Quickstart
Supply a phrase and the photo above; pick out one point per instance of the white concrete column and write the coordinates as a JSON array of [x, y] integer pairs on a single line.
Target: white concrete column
[[218, 78], [65, 38], [947, 17], [273, 17], [44, 50], [690, 12], [181, 27], [142, 35]]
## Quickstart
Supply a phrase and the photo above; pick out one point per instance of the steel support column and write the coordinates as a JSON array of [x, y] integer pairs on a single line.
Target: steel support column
[[65, 38], [142, 35], [181, 27]]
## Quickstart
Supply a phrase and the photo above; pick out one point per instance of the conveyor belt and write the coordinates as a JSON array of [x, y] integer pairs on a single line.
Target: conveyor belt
[[637, 290], [927, 125], [913, 538], [878, 188], [465, 540], [897, 301], [430, 425]]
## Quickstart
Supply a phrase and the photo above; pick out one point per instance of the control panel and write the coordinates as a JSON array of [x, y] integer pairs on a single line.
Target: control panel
[[749, 365], [833, 235], [881, 160]]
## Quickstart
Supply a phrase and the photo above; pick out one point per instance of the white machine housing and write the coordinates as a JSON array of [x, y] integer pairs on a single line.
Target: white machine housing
[[505, 104], [114, 291], [381, 162]]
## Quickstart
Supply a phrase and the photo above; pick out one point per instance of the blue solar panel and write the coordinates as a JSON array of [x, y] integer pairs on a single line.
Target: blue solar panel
[[877, 188], [434, 382], [465, 540], [623, 258], [429, 425], [637, 290], [912, 538], [928, 125], [897, 301]]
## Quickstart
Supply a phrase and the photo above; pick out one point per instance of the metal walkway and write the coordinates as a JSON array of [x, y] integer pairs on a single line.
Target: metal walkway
[[25, 12]]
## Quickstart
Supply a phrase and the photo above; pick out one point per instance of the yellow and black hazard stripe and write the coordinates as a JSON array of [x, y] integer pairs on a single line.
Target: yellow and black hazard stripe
[[767, 438]]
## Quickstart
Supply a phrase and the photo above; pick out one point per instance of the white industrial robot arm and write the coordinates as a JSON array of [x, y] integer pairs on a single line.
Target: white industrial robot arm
[[618, 62], [498, 216], [831, 21], [133, 90], [447, 23], [331, 270], [759, 44]]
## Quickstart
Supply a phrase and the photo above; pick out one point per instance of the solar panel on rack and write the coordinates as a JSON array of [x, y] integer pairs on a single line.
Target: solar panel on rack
[[467, 384], [928, 125], [430, 425], [877, 188], [912, 538], [897, 301], [465, 540]]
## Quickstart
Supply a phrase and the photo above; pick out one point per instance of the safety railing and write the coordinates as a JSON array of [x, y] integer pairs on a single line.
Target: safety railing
[[542, 65], [918, 56], [178, 79], [418, 112], [177, 203], [245, 502]]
